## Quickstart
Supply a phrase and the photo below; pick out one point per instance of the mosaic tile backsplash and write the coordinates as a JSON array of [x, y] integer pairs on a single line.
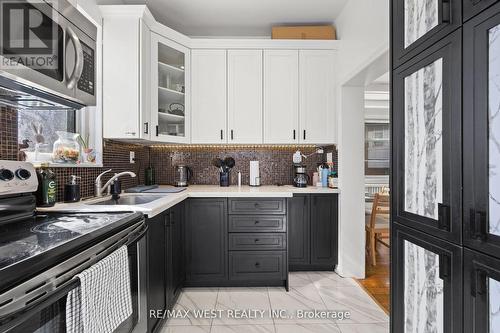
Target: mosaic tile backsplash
[[275, 161]]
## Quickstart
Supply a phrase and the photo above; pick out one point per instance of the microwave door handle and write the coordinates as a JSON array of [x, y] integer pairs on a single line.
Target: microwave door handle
[[77, 71]]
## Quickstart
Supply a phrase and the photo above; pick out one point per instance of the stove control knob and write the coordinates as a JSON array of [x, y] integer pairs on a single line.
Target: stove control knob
[[23, 174], [6, 175]]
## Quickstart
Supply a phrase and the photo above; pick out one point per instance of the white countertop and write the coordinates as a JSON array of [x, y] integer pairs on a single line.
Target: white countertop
[[168, 200]]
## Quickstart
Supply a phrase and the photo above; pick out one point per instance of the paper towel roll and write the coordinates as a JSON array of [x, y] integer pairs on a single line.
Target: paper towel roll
[[254, 173]]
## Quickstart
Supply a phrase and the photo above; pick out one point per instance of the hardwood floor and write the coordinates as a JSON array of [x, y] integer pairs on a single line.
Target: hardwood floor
[[377, 279]]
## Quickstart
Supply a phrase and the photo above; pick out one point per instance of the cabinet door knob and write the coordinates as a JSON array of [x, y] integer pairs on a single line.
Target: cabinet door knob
[[256, 222], [257, 264], [257, 240]]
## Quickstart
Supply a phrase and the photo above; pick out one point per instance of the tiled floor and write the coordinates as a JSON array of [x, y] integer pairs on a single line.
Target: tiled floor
[[320, 291]]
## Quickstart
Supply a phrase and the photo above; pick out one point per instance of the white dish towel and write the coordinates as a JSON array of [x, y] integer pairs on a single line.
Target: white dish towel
[[103, 300]]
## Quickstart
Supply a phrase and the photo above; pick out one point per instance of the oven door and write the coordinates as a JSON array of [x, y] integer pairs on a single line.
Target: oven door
[[47, 314], [51, 56]]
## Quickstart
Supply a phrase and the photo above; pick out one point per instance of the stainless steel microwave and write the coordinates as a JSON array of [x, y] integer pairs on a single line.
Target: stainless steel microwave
[[47, 55]]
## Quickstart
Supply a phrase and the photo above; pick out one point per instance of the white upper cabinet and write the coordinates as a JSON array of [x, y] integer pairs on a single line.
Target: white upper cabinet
[[170, 88], [126, 60], [160, 85], [208, 96], [317, 116], [281, 96], [244, 96]]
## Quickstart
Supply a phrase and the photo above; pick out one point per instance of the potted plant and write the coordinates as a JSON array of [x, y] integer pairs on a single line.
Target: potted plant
[[89, 155]]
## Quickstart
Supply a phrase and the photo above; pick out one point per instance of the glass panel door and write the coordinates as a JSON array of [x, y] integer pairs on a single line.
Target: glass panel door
[[482, 136], [170, 90], [423, 168], [419, 24], [494, 129], [494, 304], [427, 118], [427, 285], [481, 293], [420, 17], [423, 290]]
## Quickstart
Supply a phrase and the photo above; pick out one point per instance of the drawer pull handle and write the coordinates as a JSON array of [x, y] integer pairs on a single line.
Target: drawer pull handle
[[257, 240], [257, 222], [257, 264], [256, 204]]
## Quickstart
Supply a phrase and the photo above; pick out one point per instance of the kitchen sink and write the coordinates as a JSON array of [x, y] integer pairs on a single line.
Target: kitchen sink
[[129, 200]]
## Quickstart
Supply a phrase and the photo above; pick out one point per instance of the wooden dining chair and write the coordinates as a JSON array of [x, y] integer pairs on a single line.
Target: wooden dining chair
[[377, 224]]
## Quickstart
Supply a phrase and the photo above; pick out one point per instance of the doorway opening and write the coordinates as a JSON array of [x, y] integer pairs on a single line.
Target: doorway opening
[[377, 192]]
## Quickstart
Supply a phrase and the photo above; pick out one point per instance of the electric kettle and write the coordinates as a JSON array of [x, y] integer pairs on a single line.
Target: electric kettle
[[182, 175]]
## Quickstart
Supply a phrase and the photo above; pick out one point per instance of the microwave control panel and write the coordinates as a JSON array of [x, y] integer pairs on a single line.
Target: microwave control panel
[[87, 79]]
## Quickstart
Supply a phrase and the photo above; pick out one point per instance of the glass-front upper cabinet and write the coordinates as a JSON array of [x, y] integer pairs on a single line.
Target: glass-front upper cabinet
[[481, 293], [426, 145], [482, 132], [427, 283], [170, 91], [418, 24]]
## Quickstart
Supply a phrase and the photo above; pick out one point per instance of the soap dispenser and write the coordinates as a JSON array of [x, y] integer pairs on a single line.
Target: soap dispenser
[[72, 190]]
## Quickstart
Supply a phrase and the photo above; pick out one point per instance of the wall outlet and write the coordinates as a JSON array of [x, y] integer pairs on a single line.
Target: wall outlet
[[132, 157], [329, 157]]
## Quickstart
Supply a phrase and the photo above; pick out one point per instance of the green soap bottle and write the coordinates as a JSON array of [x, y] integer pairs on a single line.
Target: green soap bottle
[[46, 194]]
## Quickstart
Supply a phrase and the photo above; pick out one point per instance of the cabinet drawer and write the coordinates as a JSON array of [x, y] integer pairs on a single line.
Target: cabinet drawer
[[257, 206], [257, 265], [257, 241], [257, 223]]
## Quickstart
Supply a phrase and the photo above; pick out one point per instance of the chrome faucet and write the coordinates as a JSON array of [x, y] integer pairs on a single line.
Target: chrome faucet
[[99, 188]]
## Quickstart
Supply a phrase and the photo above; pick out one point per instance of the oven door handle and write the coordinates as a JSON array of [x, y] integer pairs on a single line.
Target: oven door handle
[[77, 71], [11, 321], [141, 234]]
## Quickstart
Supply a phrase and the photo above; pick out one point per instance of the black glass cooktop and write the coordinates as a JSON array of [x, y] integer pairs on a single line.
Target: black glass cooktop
[[27, 241]]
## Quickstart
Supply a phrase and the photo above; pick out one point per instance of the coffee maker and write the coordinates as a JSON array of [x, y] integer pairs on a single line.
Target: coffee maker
[[300, 178]]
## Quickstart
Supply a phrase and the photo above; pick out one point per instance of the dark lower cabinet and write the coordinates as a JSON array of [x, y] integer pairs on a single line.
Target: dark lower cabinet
[[298, 230], [165, 262], [481, 293], [177, 251], [257, 265], [324, 230], [157, 268], [313, 232], [236, 242], [206, 241]]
